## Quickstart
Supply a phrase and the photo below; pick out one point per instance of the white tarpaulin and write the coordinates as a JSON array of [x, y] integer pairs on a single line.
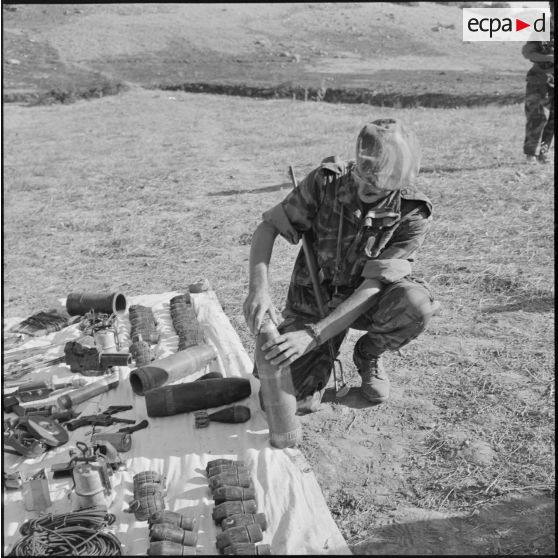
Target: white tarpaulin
[[299, 521]]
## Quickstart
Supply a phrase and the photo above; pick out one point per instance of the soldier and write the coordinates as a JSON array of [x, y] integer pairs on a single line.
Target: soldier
[[366, 223], [539, 97]]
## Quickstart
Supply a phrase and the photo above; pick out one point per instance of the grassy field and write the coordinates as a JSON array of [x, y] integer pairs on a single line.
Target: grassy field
[[148, 190]]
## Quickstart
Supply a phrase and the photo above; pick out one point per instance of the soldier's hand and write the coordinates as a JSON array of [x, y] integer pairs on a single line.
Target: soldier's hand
[[288, 347], [256, 305]]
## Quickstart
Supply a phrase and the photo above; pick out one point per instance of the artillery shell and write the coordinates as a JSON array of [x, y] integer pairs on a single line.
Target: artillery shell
[[243, 534], [230, 493], [174, 518], [230, 478], [248, 548], [231, 508], [239, 519], [170, 532]]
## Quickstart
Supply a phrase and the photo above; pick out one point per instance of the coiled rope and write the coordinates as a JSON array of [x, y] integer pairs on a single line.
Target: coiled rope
[[69, 534]]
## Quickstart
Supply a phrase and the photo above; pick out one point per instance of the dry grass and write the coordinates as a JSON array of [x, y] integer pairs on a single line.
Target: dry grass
[[146, 192]]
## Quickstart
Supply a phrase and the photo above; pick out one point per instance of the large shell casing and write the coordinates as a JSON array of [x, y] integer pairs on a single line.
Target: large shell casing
[[193, 396], [229, 493], [174, 518], [243, 534], [170, 532], [230, 478], [244, 519], [277, 392], [81, 394], [171, 368], [78, 304], [231, 508]]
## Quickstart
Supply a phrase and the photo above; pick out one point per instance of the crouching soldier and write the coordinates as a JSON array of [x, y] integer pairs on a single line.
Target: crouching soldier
[[365, 224]]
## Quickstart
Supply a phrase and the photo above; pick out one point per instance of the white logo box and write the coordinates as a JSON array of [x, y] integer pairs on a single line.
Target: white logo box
[[500, 24]]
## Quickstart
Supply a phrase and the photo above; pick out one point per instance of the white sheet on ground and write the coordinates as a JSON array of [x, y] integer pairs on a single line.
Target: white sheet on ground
[[299, 521]]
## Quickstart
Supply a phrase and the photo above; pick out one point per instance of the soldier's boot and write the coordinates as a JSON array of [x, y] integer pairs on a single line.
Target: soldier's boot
[[543, 154], [375, 381], [309, 404]]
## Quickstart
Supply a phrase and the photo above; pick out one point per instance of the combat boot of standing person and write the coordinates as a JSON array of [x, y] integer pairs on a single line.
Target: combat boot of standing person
[[366, 223], [539, 97]]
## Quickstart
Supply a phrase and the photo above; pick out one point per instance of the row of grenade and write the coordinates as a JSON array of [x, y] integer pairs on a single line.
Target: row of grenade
[[143, 334], [184, 321], [236, 509], [172, 534], [149, 492]]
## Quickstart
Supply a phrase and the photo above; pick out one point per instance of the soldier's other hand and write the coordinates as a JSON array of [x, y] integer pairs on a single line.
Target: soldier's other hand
[[288, 347], [255, 307]]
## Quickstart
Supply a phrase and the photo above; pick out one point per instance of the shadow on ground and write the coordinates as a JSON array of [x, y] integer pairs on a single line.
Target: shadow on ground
[[539, 304], [520, 526]]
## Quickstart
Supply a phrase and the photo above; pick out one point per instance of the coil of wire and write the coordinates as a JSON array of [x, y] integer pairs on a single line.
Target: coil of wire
[[73, 534]]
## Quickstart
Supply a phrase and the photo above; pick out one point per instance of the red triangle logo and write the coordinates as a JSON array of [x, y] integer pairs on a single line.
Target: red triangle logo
[[519, 24]]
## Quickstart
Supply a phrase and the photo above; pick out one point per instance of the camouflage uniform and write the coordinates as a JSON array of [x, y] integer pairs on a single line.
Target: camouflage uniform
[[539, 99], [326, 207]]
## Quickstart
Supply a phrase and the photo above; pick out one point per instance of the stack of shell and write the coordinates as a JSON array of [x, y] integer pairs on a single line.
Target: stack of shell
[[236, 509], [149, 491], [143, 334], [172, 534], [185, 322]]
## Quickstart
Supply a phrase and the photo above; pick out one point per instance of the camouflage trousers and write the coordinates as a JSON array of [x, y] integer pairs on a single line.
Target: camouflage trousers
[[539, 112], [400, 314]]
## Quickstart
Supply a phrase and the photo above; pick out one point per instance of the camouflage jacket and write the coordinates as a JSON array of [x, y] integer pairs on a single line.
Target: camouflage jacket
[[541, 71], [327, 209]]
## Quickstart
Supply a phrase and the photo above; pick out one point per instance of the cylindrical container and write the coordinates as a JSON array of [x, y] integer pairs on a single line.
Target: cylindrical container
[[193, 396], [170, 368], [277, 390], [115, 359], [174, 518], [120, 440], [243, 534], [170, 532], [89, 486], [244, 519], [212, 471], [248, 549], [79, 395], [231, 508], [168, 548], [222, 461], [80, 303], [229, 493], [148, 477], [230, 478], [234, 414], [105, 340]]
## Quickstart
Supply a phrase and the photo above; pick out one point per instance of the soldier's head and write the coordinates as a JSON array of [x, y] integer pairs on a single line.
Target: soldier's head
[[387, 158]]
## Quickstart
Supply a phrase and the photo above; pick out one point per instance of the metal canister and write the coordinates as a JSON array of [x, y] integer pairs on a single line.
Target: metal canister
[[120, 440], [105, 340]]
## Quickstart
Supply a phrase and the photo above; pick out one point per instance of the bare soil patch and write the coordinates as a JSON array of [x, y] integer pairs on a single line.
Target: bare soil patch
[[385, 54]]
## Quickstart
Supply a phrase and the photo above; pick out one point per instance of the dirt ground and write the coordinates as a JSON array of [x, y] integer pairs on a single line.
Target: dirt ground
[[150, 190]]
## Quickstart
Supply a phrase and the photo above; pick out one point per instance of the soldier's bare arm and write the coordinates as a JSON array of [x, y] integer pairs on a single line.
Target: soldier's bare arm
[[258, 301]]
